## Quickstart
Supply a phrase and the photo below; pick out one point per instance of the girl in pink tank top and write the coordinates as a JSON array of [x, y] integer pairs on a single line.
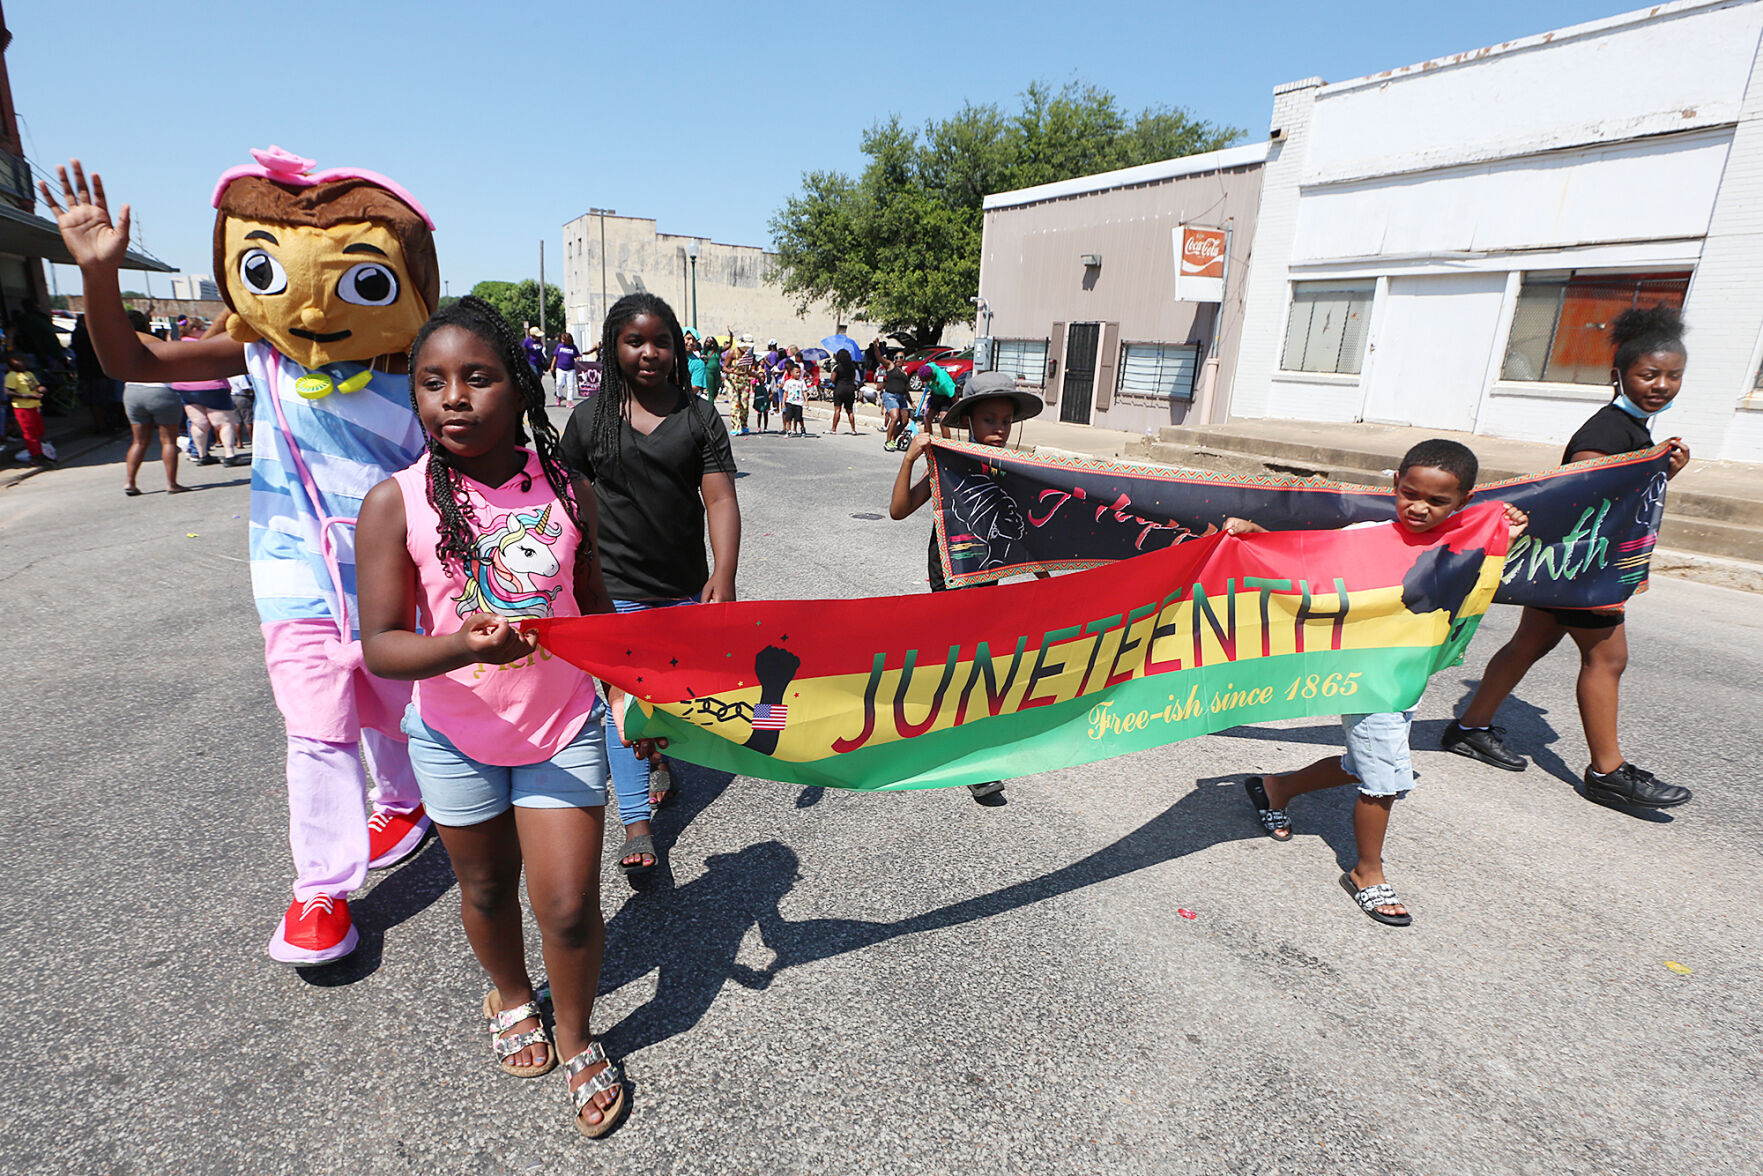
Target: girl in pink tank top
[[508, 742]]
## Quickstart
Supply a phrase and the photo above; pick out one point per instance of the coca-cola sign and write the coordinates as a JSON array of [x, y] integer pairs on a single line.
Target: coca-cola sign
[[1200, 257], [1202, 252]]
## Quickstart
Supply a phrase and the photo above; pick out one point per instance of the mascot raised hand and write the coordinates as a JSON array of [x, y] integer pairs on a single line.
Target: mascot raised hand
[[328, 274]]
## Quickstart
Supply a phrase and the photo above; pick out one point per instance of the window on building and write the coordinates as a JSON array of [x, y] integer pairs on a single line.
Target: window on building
[[1156, 373], [1026, 359], [1328, 326], [1561, 325]]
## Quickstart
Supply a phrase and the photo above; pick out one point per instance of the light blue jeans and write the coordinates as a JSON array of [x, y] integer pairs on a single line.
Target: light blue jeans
[[630, 775]]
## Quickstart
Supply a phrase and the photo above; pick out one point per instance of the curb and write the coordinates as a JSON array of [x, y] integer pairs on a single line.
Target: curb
[[71, 451]]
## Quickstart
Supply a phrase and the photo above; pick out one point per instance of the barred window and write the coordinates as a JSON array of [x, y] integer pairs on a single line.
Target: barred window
[[1026, 359], [1561, 325], [1155, 373]]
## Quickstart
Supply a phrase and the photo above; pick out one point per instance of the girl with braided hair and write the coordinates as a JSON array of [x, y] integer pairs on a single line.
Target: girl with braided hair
[[662, 468], [508, 743], [1646, 375]]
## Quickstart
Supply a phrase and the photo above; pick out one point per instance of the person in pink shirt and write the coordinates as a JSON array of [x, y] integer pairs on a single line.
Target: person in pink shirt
[[508, 743]]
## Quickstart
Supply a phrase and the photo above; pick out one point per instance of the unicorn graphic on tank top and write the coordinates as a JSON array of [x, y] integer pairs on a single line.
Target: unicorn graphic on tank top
[[512, 556]]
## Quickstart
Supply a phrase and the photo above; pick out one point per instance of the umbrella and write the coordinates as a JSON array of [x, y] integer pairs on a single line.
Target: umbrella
[[843, 343], [816, 354]]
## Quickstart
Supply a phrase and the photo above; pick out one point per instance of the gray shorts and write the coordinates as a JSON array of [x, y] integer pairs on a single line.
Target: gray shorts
[[1377, 753], [152, 404]]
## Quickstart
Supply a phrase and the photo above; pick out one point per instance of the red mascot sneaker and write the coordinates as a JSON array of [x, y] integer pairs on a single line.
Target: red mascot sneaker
[[314, 932], [393, 836]]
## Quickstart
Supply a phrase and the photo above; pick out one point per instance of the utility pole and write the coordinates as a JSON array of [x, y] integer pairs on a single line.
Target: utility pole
[[542, 288], [692, 252]]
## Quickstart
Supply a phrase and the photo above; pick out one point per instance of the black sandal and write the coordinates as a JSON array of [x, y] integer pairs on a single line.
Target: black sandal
[[660, 785], [1371, 897], [1274, 821], [637, 846]]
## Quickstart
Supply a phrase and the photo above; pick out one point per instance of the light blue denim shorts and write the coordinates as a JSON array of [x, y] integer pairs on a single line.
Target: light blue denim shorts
[[1377, 752], [458, 790]]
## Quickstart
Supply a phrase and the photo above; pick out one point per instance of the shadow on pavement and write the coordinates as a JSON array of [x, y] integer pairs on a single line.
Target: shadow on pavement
[[692, 934], [404, 893]]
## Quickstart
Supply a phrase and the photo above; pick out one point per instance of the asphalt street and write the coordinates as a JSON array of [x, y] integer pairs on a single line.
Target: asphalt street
[[830, 983]]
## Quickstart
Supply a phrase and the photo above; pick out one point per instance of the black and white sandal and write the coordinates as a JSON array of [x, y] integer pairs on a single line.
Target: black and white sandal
[[502, 1020], [608, 1079], [1274, 821], [1372, 897]]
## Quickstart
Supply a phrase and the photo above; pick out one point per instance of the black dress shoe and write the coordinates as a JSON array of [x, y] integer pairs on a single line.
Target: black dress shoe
[[1633, 786], [1485, 745]]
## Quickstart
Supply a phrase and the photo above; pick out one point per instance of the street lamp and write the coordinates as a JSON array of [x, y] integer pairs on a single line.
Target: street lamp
[[692, 252]]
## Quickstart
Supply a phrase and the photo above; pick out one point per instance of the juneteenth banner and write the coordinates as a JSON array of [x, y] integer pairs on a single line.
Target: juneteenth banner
[[1593, 524], [1029, 677]]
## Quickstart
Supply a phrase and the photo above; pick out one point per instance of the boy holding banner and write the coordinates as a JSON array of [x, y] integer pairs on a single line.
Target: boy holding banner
[[1435, 481], [988, 406]]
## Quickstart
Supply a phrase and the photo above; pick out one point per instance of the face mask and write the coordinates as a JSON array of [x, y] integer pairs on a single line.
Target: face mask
[[1634, 410]]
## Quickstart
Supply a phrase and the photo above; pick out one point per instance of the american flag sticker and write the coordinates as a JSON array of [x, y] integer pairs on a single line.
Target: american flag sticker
[[770, 716]]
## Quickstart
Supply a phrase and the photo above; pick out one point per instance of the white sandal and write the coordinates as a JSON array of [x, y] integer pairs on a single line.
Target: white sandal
[[582, 1095], [502, 1020]]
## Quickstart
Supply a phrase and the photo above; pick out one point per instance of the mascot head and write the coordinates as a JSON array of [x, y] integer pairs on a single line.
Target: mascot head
[[327, 266]]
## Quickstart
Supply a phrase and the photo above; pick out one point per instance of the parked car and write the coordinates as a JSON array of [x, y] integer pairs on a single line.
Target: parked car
[[959, 365], [923, 356]]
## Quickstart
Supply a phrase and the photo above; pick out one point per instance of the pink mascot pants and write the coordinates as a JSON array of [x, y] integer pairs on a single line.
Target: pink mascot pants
[[335, 710]]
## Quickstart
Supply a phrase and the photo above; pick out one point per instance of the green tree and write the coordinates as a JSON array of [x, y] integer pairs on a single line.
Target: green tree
[[519, 303], [900, 244]]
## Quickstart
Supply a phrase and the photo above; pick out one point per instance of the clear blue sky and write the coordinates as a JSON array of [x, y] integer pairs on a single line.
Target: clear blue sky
[[508, 119]]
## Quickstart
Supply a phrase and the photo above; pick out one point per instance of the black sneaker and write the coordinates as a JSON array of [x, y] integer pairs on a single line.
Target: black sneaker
[[208, 459], [1485, 745], [1633, 786]]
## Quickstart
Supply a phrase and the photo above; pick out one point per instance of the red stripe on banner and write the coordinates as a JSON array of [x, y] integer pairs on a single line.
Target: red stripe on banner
[[1000, 616]]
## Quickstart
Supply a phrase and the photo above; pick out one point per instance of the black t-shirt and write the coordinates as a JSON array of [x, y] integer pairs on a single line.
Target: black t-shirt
[[650, 502], [896, 383], [844, 371], [1610, 430]]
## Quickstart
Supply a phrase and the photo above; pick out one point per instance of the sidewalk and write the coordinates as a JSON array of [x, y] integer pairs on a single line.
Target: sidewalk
[[72, 437]]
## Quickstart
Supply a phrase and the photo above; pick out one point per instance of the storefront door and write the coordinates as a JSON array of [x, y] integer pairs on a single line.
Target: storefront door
[[1429, 354], [1080, 372]]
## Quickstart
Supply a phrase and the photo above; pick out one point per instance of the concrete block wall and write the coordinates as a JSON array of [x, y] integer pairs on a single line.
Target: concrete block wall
[[1717, 413], [1264, 298]]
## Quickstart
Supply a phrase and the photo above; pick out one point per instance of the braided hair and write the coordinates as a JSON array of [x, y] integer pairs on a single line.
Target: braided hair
[[1639, 332], [457, 547], [611, 405]]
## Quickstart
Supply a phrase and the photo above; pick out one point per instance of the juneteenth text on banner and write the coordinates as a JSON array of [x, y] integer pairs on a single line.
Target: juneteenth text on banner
[[1035, 676]]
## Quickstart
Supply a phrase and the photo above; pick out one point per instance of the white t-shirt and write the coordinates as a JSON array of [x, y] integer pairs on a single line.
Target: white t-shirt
[[792, 391]]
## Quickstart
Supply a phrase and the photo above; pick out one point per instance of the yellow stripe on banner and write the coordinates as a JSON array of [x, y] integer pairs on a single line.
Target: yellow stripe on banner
[[1069, 663]]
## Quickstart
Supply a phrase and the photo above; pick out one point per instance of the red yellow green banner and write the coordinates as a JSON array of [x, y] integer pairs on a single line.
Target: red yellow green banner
[[1012, 679]]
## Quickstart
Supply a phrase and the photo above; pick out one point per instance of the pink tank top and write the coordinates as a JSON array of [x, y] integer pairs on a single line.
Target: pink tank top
[[528, 710]]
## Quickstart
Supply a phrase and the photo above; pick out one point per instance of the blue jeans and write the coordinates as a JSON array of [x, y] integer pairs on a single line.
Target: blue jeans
[[630, 775]]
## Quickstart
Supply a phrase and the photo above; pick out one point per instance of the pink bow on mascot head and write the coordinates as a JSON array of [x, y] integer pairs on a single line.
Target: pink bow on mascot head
[[327, 266]]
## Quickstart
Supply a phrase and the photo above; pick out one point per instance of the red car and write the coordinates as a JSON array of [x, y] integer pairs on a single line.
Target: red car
[[959, 365], [925, 354]]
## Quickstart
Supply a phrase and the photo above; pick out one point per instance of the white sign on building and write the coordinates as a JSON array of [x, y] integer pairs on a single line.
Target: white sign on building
[[1199, 263]]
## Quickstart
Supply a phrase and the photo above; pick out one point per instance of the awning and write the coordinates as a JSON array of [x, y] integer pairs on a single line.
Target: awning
[[32, 236]]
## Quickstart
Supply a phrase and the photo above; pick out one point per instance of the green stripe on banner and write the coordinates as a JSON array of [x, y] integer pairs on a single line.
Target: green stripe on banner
[[1134, 716]]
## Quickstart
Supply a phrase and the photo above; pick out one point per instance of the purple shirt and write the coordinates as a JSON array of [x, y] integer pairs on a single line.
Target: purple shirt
[[535, 352]]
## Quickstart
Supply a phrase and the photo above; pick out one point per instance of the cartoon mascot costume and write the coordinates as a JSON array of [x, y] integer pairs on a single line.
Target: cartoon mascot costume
[[329, 274]]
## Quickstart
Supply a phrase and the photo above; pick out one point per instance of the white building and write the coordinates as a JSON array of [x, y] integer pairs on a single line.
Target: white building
[[194, 288], [1444, 245]]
